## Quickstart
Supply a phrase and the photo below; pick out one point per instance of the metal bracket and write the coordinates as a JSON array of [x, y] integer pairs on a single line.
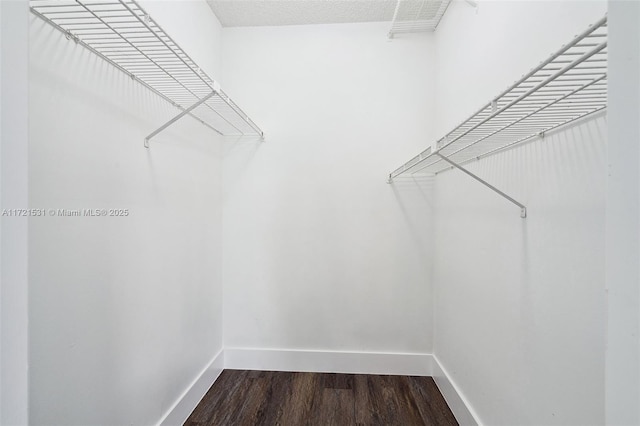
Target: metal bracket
[[523, 209], [178, 117], [70, 36]]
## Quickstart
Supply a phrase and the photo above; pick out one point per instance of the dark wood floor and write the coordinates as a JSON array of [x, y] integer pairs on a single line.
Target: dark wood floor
[[241, 397]]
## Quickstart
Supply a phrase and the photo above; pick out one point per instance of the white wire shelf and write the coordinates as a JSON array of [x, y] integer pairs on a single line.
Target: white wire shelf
[[413, 16], [123, 34], [568, 86]]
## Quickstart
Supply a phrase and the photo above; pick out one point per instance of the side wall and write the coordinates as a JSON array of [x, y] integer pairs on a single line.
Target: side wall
[[623, 216], [520, 306], [125, 312], [320, 253], [14, 60]]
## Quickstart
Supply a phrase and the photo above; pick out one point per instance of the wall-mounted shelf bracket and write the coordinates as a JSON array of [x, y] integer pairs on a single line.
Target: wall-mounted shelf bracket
[[178, 117], [122, 33], [523, 209], [569, 86]]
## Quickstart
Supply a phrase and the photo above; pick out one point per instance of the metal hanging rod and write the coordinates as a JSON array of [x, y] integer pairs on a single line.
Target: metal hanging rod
[[568, 86], [123, 34]]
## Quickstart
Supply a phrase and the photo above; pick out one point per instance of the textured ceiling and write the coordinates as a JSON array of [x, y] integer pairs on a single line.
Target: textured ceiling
[[243, 13]]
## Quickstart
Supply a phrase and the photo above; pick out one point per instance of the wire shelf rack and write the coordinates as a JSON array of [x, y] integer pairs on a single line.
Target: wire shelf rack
[[413, 16], [122, 33], [568, 86]]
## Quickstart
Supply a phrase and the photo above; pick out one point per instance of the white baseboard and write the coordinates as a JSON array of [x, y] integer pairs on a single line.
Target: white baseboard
[[455, 399], [328, 361], [188, 401], [321, 362]]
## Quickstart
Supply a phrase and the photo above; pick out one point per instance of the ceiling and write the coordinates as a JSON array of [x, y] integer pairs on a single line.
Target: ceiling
[[243, 13]]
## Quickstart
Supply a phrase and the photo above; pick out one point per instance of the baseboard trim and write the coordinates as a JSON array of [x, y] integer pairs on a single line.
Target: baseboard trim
[[321, 362], [328, 361], [190, 398], [460, 407]]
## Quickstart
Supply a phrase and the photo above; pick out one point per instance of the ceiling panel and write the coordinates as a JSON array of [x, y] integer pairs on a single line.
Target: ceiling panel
[[243, 13]]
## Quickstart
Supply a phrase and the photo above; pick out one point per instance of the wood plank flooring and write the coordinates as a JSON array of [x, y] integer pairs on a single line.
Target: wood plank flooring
[[242, 397]]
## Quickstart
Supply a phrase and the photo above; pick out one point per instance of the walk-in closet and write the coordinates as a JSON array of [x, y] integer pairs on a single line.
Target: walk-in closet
[[319, 212]]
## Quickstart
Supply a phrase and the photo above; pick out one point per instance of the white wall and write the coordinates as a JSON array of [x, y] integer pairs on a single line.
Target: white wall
[[195, 28], [124, 312], [319, 252], [520, 308], [13, 230], [623, 216], [482, 51]]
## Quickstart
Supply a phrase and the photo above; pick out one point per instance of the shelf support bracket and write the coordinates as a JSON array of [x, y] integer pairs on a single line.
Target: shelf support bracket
[[523, 209], [178, 117]]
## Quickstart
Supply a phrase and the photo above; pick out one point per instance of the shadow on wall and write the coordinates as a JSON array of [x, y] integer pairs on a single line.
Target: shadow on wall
[[112, 298], [532, 289], [415, 197], [53, 51], [523, 170], [237, 153]]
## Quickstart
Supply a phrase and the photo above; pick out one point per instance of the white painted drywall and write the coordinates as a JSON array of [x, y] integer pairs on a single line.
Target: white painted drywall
[[1, 310], [319, 252], [14, 59], [194, 27], [520, 306], [125, 312], [623, 216], [483, 50]]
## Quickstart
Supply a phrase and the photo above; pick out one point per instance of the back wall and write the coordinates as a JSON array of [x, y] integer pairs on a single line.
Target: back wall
[[319, 252]]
